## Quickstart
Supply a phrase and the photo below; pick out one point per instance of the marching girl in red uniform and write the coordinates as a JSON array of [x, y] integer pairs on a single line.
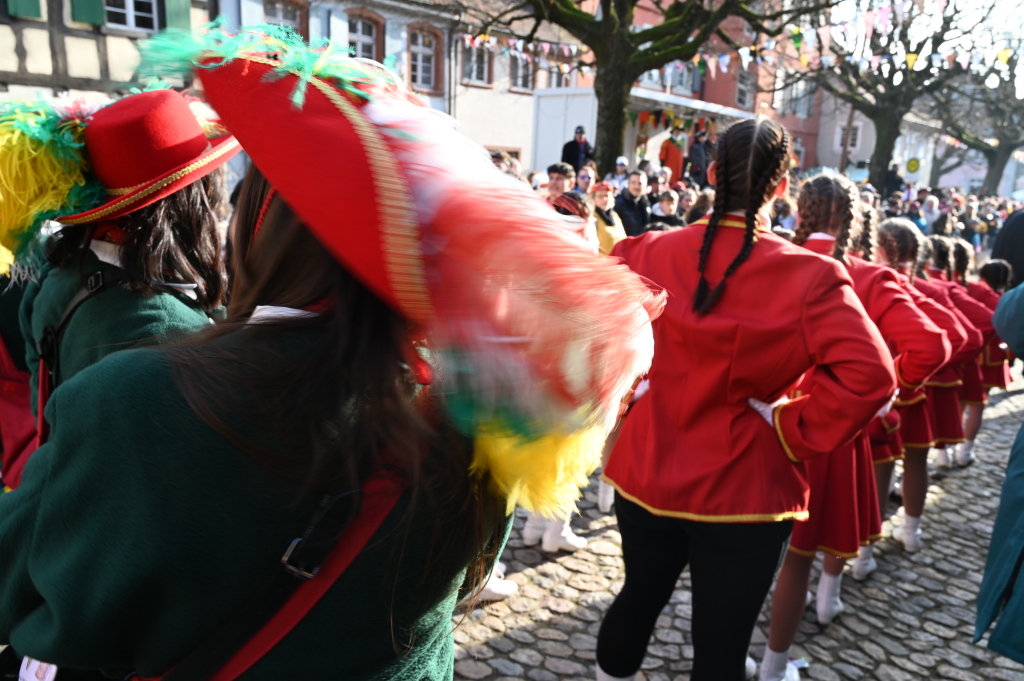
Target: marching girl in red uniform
[[708, 468], [900, 244], [843, 508], [973, 393], [944, 394], [995, 275]]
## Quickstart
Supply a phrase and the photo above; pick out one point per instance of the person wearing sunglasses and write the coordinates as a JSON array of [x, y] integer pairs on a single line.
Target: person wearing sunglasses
[[585, 179]]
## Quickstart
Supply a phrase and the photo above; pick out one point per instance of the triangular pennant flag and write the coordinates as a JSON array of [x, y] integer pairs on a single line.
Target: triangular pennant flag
[[941, 6], [702, 66], [950, 60], [936, 61], [1004, 55], [869, 23], [632, 117], [826, 61], [899, 11], [712, 65], [745, 57], [919, 4], [687, 123], [644, 117], [810, 39], [882, 18], [875, 61], [770, 45], [701, 124], [545, 47], [574, 49], [723, 62], [798, 39], [565, 50], [911, 60], [696, 60], [804, 60]]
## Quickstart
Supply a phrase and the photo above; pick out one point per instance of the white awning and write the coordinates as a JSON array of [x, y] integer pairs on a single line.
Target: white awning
[[644, 98]]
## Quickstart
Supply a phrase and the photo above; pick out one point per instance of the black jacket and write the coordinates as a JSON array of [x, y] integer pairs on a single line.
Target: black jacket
[[571, 153], [635, 213], [1009, 245]]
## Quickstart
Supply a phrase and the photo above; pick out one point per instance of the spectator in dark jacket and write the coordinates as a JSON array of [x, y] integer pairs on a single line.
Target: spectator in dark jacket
[[893, 180], [576, 151], [699, 159], [632, 204]]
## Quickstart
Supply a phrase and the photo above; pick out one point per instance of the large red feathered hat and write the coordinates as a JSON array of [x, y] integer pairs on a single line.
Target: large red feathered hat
[[538, 340]]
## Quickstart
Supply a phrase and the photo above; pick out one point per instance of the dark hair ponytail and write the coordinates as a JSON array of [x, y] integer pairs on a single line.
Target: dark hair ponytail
[[751, 160], [941, 254], [996, 273]]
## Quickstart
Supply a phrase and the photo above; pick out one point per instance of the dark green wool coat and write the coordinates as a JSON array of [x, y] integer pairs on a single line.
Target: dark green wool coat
[[112, 320], [138, 530]]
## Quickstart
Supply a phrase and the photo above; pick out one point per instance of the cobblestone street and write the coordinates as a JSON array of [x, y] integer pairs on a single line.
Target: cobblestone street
[[912, 619]]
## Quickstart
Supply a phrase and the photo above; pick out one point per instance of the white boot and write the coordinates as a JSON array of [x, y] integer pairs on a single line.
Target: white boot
[[496, 588], [809, 599], [605, 496], [776, 667], [964, 455], [751, 670], [865, 563], [602, 675], [942, 459], [909, 534], [559, 537], [534, 529], [829, 603]]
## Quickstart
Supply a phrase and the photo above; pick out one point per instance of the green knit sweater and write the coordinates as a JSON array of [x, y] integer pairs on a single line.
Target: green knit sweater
[[137, 530], [113, 320]]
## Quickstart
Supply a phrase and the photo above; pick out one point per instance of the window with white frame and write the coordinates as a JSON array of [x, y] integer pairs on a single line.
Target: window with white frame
[[559, 75], [651, 79], [854, 137], [745, 89], [520, 72], [422, 55], [282, 13], [137, 14], [476, 65], [362, 38], [686, 79]]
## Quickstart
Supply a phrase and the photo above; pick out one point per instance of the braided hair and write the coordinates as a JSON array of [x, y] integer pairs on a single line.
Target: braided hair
[[997, 273], [751, 159], [924, 256], [941, 255], [828, 203], [868, 232], [963, 259], [899, 241]]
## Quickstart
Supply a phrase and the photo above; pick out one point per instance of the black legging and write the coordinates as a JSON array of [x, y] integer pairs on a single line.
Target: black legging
[[731, 565]]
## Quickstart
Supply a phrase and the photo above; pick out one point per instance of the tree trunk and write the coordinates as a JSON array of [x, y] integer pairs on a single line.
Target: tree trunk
[[612, 84], [997, 161], [887, 130], [938, 167]]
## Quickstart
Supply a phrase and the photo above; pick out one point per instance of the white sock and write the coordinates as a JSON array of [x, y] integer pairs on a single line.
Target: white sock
[[911, 523], [966, 447], [602, 675], [829, 604], [773, 666], [866, 552]]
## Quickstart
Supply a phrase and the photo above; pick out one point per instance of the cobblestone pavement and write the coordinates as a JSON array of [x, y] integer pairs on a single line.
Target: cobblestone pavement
[[912, 619]]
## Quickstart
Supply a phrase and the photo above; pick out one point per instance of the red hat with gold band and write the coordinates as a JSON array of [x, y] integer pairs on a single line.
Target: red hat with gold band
[[145, 147], [536, 338]]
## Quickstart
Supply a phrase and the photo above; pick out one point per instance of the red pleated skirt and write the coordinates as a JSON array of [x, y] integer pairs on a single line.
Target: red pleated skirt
[[973, 391], [843, 508], [995, 366], [947, 422], [916, 430], [884, 435]]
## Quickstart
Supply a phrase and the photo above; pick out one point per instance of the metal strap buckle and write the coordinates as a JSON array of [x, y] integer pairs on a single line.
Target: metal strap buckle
[[296, 572], [93, 283]]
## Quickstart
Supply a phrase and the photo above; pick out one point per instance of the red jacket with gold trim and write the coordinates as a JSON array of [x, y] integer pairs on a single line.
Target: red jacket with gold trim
[[945, 320], [995, 351], [692, 447]]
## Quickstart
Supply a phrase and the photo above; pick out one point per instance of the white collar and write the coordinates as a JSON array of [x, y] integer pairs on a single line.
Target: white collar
[[106, 252], [820, 236], [274, 313]]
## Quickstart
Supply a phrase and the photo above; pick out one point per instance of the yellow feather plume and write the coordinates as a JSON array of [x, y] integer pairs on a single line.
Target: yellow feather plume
[[543, 475]]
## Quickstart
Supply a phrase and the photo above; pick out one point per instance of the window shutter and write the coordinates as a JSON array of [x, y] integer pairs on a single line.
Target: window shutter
[[88, 11], [26, 9], [178, 14]]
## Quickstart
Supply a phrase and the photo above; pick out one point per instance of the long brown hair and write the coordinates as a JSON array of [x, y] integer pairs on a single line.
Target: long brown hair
[[942, 254], [751, 159], [344, 408], [827, 203], [174, 240]]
